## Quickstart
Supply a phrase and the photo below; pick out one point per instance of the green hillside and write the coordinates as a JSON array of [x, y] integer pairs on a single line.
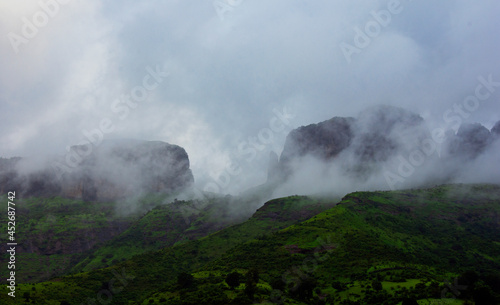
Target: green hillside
[[435, 246], [53, 233], [409, 243], [60, 236], [165, 225]]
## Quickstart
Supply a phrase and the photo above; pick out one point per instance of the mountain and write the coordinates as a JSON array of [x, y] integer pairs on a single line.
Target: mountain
[[376, 135], [70, 235], [381, 148], [370, 248], [190, 254], [469, 142], [166, 224], [111, 229], [113, 170], [325, 140]]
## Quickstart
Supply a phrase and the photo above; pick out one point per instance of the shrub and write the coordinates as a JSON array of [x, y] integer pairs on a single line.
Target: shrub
[[233, 279]]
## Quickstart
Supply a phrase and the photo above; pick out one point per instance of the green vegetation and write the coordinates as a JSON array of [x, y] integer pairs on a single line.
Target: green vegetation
[[65, 236], [54, 233], [427, 246]]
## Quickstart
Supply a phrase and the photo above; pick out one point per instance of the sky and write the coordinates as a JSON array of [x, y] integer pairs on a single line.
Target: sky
[[228, 79]]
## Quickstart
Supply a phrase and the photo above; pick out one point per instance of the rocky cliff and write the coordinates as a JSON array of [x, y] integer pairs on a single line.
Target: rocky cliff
[[470, 141], [495, 131], [380, 135], [374, 136], [114, 170]]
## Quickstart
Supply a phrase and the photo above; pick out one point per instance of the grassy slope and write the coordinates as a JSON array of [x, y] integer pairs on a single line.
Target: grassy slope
[[163, 226], [155, 270], [53, 232], [423, 236], [409, 241], [59, 236]]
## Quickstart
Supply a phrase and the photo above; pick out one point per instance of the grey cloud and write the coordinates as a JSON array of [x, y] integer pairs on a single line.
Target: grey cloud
[[227, 76]]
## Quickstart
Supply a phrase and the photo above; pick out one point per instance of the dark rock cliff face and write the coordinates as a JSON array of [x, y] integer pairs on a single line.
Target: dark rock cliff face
[[495, 131], [273, 167], [377, 134], [361, 145], [112, 171], [470, 141], [382, 131], [325, 140]]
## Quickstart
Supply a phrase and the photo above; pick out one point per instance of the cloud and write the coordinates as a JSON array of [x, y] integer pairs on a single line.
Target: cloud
[[227, 76]]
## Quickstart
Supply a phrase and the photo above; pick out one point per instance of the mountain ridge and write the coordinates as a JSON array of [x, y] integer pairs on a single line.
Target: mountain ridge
[[114, 170], [408, 242]]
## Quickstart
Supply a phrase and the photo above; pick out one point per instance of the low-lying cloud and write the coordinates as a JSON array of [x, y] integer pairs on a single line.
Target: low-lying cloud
[[225, 77], [385, 148]]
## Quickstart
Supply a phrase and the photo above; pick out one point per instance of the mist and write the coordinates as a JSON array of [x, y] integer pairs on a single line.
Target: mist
[[388, 149], [228, 86]]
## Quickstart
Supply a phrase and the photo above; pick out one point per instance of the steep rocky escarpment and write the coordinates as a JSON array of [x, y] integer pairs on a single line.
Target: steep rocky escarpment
[[325, 140], [113, 170], [381, 137], [495, 131], [470, 141], [374, 136]]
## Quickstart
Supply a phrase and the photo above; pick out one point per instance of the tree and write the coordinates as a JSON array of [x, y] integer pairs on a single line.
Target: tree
[[278, 284], [184, 280], [207, 295], [254, 274], [377, 285], [233, 279], [339, 286], [251, 282], [409, 302], [250, 288], [483, 295], [305, 289]]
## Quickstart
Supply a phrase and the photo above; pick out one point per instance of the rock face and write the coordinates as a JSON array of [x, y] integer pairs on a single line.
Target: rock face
[[325, 140], [273, 167], [495, 131], [377, 134], [382, 131], [112, 171], [470, 141], [380, 137]]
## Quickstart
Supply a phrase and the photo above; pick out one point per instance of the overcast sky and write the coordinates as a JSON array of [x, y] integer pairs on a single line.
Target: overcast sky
[[216, 78]]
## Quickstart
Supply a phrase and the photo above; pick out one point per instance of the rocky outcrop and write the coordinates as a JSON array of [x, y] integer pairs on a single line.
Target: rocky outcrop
[[114, 170], [382, 131], [273, 167], [495, 131], [374, 136], [380, 138], [470, 141], [324, 140]]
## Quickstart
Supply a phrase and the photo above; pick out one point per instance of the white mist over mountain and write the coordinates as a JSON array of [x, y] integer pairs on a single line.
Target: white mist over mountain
[[229, 85]]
